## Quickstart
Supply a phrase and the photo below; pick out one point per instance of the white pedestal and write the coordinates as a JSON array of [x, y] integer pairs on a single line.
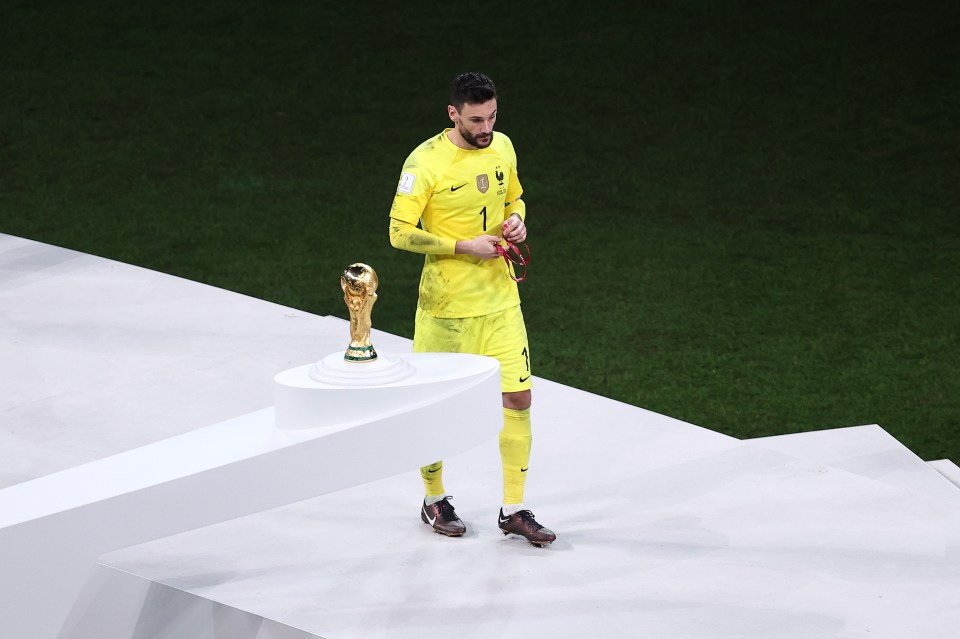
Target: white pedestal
[[334, 394]]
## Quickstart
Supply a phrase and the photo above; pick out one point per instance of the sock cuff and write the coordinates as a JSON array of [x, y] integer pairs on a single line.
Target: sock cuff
[[512, 413], [509, 509]]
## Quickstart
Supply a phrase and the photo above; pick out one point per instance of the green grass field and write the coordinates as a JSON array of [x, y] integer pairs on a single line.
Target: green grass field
[[744, 215]]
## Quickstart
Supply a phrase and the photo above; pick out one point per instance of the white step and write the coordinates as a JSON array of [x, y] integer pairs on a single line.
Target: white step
[[948, 469]]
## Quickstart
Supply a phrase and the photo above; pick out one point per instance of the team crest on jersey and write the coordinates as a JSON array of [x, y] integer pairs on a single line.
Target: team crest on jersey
[[483, 183]]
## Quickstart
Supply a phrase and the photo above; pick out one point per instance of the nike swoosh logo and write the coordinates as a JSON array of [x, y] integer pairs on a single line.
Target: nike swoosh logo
[[429, 518], [523, 470], [504, 521], [432, 470], [454, 188], [523, 379]]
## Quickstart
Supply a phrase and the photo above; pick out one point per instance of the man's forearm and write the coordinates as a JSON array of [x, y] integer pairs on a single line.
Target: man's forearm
[[408, 237]]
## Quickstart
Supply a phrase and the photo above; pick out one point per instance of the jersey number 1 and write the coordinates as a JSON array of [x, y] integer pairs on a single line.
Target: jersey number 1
[[483, 212]]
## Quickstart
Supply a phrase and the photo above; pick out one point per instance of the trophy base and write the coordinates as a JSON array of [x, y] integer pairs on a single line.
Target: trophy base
[[360, 354], [334, 369]]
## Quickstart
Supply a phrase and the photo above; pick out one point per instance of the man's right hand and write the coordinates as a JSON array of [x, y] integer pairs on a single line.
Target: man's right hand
[[482, 246]]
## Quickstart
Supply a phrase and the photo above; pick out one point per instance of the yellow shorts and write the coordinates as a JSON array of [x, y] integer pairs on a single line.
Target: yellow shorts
[[502, 335]]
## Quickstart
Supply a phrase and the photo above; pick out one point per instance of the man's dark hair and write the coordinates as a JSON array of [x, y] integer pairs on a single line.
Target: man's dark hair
[[471, 88]]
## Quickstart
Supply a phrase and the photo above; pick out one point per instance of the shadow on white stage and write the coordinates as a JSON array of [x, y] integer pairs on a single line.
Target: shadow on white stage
[[665, 529]]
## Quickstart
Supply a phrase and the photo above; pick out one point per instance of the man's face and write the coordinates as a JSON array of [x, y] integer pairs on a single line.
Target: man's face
[[474, 122]]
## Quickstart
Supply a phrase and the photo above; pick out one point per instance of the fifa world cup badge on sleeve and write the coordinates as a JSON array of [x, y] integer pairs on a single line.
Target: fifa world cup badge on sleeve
[[359, 283]]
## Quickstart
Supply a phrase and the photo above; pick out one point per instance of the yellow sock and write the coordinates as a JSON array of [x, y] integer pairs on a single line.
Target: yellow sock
[[515, 439], [433, 479]]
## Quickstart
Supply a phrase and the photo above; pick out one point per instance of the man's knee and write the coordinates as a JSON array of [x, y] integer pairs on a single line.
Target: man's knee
[[517, 400]]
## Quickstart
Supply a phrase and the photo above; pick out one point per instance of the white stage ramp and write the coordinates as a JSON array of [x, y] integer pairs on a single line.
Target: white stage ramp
[[665, 529]]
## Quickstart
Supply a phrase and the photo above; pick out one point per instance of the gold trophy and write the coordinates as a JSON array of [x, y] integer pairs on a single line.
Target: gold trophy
[[359, 283]]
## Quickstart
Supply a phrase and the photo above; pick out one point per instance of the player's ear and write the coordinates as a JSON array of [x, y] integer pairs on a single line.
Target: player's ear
[[452, 113]]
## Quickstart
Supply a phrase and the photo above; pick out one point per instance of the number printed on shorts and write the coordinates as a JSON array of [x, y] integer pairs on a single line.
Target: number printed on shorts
[[526, 358]]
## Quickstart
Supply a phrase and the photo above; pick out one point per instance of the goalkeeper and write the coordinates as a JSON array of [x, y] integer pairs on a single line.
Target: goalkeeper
[[458, 198]]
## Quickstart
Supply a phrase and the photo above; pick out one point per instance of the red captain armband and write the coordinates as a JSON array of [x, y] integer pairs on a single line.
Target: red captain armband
[[515, 255]]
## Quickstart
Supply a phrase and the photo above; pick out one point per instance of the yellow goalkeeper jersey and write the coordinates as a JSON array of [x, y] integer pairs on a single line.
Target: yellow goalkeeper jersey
[[458, 194]]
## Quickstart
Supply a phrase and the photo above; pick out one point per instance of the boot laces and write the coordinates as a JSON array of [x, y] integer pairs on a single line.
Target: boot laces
[[445, 509]]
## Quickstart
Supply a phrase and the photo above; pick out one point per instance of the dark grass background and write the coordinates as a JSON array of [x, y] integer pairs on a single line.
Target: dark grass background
[[742, 214]]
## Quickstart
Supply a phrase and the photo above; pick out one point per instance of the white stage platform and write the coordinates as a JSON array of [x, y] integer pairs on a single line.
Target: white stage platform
[[665, 529]]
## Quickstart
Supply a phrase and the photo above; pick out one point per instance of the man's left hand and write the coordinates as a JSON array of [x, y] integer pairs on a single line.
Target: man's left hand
[[514, 230]]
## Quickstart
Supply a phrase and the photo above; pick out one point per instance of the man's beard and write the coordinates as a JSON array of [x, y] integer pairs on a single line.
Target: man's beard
[[472, 139]]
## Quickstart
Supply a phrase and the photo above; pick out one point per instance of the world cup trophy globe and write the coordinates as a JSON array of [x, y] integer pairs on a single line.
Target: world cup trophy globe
[[359, 283]]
